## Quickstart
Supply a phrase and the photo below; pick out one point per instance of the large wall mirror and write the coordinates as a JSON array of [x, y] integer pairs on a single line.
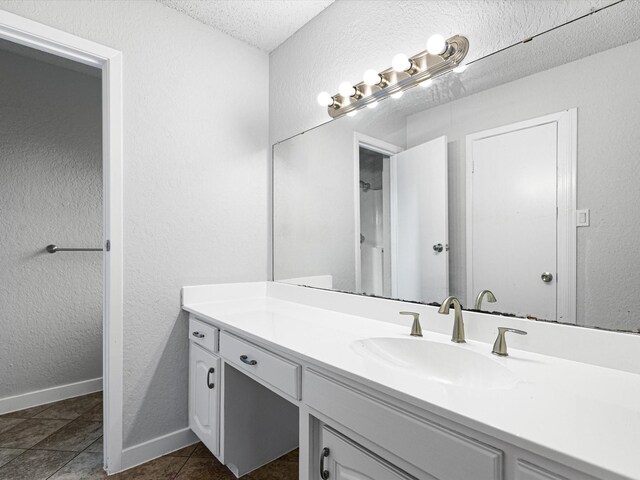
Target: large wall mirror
[[520, 176]]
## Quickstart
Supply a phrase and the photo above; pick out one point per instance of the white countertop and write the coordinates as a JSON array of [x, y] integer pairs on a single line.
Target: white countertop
[[560, 408]]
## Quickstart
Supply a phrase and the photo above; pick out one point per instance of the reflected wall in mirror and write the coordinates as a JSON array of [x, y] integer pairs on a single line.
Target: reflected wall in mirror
[[519, 176]]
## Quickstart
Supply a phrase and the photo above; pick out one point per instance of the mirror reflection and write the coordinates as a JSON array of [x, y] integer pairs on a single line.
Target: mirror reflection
[[512, 185]]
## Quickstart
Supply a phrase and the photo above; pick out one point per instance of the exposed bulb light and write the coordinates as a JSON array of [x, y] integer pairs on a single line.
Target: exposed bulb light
[[460, 68], [371, 77], [325, 99], [397, 95], [352, 113], [427, 83], [401, 63], [436, 45], [347, 90], [372, 105]]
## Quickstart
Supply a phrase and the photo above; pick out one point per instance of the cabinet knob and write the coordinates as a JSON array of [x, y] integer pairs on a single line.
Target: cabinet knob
[[198, 334], [245, 359], [210, 384]]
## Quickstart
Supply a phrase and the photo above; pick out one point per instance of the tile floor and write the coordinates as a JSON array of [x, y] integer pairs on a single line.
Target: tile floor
[[63, 441]]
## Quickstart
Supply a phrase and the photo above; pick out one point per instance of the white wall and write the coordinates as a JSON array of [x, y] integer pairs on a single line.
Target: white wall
[[195, 176], [608, 145], [351, 36], [50, 192]]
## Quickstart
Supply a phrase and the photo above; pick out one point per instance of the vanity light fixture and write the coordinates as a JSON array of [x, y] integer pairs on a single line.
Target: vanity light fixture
[[440, 57]]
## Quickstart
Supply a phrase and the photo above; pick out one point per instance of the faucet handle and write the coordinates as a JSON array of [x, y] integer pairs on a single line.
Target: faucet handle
[[500, 345], [416, 329]]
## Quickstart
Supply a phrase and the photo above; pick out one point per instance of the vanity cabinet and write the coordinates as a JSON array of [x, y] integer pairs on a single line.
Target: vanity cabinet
[[204, 397], [343, 459]]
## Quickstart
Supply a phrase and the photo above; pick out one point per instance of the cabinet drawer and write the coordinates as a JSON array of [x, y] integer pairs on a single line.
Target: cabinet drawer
[[203, 334], [276, 371], [432, 448]]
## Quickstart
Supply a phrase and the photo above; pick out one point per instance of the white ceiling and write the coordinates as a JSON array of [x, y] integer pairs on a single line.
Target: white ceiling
[[265, 24]]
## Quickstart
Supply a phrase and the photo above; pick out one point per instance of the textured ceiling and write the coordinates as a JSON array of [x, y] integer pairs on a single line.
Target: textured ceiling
[[265, 24]]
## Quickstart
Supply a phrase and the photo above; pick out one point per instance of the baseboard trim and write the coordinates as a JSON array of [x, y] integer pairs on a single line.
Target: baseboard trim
[[48, 395], [157, 447]]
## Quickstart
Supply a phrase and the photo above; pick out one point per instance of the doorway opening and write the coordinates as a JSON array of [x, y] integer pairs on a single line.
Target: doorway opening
[[52, 162]]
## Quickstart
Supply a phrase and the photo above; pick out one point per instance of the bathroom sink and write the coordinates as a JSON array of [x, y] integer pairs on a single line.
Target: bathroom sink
[[451, 364]]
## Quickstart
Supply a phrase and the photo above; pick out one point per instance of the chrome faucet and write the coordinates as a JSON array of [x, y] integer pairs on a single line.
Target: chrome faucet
[[491, 298], [416, 329], [458, 323]]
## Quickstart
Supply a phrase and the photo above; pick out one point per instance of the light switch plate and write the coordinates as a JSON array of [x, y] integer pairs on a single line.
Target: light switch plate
[[583, 217]]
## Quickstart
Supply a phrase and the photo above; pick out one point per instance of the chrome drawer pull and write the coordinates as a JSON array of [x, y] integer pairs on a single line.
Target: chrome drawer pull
[[198, 334], [324, 474], [246, 360]]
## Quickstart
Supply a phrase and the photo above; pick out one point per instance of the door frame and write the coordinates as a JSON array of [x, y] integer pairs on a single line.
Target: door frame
[[376, 145], [20, 30], [566, 202]]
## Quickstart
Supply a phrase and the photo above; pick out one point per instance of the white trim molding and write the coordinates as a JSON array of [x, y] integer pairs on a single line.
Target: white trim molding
[[157, 447], [567, 167], [48, 395], [35, 35]]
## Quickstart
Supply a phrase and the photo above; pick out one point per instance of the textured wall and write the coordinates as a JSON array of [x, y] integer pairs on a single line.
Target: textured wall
[[195, 176], [50, 192], [352, 35]]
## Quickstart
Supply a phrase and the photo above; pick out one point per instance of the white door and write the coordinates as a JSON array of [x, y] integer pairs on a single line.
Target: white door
[[512, 216], [204, 379], [419, 222], [341, 459]]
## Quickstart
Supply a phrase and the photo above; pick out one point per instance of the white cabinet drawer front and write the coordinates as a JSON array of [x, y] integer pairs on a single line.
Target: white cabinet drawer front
[[276, 371], [529, 471], [346, 460], [445, 454], [203, 334]]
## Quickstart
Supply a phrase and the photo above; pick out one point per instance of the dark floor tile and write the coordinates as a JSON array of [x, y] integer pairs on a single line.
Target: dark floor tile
[[292, 456], [86, 466], [183, 452], [73, 437], [71, 408], [163, 468], [204, 469], [97, 446], [26, 434], [276, 470], [27, 413], [94, 414], [9, 423], [201, 451], [34, 465], [8, 454]]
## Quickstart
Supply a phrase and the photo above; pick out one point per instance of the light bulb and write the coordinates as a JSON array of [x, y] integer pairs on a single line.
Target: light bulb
[[346, 90], [397, 95], [325, 99], [436, 45], [460, 68], [427, 83], [371, 77], [372, 105], [352, 114], [401, 63]]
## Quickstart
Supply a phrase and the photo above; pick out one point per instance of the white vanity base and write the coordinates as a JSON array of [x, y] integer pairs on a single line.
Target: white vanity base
[[273, 366]]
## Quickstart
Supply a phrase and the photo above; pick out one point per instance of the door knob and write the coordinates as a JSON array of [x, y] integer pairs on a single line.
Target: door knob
[[546, 277], [438, 247]]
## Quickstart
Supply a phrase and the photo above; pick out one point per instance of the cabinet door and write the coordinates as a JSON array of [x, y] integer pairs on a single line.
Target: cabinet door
[[342, 459], [204, 411]]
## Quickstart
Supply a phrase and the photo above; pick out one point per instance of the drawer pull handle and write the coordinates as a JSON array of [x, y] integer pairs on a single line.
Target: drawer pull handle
[[198, 334], [246, 360], [324, 474], [210, 384]]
